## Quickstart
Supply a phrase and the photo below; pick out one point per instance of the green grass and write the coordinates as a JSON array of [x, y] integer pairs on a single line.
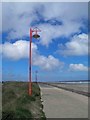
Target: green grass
[[18, 104]]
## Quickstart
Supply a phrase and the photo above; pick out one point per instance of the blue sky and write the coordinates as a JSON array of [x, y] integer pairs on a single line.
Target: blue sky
[[61, 53]]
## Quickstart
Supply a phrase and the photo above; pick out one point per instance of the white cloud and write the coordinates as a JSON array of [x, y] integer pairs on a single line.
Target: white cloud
[[45, 1], [47, 63], [20, 49], [77, 46], [17, 19], [49, 32], [65, 11], [78, 67], [16, 50]]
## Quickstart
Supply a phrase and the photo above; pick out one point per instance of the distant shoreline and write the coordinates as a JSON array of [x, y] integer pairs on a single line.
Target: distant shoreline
[[64, 81]]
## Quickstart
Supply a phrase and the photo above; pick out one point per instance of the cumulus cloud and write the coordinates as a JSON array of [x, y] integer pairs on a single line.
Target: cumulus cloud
[[20, 49], [78, 67], [64, 11], [47, 63], [77, 46], [21, 16], [49, 32], [17, 18], [16, 50]]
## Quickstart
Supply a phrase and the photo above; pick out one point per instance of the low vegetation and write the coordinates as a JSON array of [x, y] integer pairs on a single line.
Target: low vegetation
[[18, 104]]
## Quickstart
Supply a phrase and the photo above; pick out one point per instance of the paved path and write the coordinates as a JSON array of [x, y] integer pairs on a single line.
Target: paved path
[[60, 103]]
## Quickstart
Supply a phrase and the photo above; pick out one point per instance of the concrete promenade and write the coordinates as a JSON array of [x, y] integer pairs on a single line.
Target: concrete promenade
[[59, 103]]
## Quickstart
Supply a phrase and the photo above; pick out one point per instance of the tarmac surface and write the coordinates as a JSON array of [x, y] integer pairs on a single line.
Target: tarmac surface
[[59, 103]]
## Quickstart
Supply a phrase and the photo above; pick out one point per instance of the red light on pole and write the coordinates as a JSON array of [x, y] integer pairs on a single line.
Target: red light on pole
[[30, 56]]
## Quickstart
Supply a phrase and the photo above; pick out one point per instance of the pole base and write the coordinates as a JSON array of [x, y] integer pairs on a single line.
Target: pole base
[[30, 92]]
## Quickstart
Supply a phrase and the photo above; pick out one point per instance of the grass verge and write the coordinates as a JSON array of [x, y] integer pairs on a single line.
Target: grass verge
[[17, 104]]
